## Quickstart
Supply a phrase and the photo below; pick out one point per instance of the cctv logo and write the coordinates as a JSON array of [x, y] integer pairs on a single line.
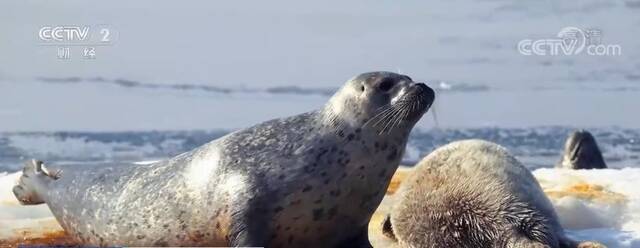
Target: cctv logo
[[63, 33]]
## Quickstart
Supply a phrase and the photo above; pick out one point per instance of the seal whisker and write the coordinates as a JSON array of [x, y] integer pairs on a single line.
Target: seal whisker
[[388, 119], [384, 111], [397, 117], [384, 115], [392, 119]]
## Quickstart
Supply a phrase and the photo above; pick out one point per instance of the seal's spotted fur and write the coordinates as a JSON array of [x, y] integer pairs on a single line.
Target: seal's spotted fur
[[311, 180]]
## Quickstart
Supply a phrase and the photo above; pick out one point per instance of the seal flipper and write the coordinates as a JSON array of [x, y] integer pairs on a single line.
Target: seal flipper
[[387, 228], [32, 183]]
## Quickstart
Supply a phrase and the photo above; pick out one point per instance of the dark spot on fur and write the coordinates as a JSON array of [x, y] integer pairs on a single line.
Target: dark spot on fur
[[335, 192], [290, 239], [362, 167], [393, 154], [383, 146], [296, 202], [317, 213], [321, 153], [218, 225], [161, 243], [350, 137], [332, 212], [309, 169], [307, 188], [140, 236], [278, 209], [326, 181]]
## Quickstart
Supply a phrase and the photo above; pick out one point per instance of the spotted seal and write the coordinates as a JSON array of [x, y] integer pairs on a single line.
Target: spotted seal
[[581, 152], [310, 180], [473, 193]]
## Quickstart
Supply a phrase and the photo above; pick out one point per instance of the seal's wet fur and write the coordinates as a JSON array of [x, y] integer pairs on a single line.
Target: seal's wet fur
[[581, 151]]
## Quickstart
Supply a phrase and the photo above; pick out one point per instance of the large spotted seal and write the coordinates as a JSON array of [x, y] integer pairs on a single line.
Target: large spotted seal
[[581, 152], [473, 194], [311, 180]]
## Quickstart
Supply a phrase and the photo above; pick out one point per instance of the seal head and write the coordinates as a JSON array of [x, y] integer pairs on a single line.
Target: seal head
[[581, 152], [384, 101]]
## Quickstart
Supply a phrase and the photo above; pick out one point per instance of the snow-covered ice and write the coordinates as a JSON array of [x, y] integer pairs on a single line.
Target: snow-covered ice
[[599, 205]]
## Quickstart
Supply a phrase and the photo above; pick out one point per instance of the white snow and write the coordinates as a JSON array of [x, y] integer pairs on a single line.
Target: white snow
[[601, 205]]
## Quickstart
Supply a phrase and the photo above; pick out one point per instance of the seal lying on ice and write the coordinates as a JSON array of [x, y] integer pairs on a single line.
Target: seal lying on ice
[[311, 180]]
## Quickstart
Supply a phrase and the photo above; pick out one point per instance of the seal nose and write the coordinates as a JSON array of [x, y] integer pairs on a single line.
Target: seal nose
[[427, 92]]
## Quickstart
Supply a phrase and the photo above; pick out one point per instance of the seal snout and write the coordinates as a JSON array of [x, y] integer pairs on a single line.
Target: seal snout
[[427, 94], [423, 94]]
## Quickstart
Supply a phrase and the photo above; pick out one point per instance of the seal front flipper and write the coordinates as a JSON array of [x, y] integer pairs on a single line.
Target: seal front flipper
[[387, 228], [32, 183]]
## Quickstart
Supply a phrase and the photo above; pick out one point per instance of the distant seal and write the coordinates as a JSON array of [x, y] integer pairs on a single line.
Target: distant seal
[[311, 180], [473, 193], [581, 152]]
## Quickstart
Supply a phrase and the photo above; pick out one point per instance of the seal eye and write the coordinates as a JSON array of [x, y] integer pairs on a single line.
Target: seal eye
[[385, 85], [362, 88]]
